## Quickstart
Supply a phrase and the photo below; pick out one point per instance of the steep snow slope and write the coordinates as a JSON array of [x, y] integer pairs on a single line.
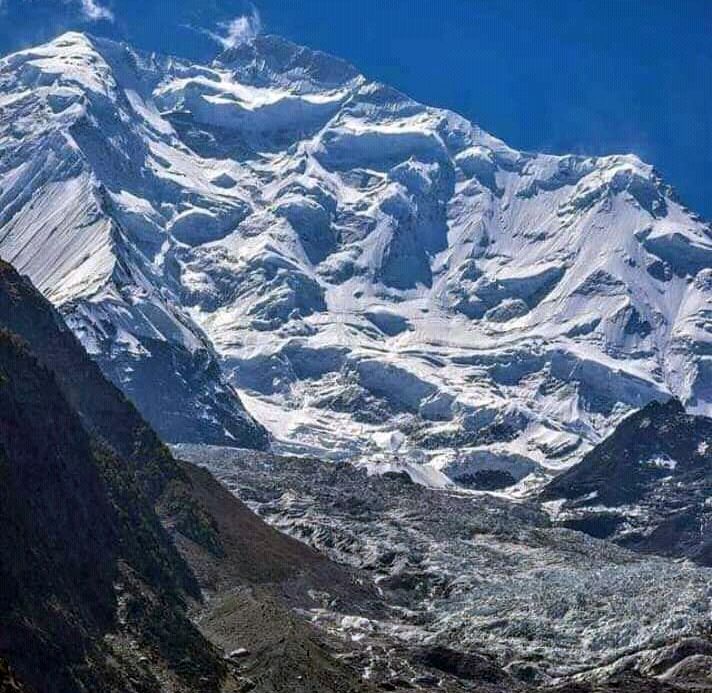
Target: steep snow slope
[[356, 262], [78, 185]]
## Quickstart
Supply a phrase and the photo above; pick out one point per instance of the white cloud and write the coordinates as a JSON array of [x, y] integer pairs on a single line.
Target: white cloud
[[93, 11], [238, 30]]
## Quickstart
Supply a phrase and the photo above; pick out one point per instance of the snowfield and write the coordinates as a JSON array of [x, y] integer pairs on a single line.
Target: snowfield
[[274, 231]]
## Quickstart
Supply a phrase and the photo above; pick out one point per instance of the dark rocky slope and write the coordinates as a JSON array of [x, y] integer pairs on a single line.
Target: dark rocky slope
[[88, 572], [109, 546], [646, 486]]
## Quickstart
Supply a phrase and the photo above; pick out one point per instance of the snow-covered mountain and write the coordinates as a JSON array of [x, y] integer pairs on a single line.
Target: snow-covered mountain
[[350, 261]]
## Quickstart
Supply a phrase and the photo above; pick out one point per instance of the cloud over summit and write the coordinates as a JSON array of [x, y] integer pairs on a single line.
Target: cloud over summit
[[238, 30], [95, 12]]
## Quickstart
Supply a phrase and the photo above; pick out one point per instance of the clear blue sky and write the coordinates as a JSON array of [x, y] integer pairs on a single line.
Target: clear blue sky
[[589, 76]]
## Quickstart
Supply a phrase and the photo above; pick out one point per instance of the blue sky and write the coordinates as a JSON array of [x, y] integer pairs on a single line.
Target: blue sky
[[555, 75]]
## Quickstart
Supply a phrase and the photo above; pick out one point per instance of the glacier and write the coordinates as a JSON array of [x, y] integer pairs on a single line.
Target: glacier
[[275, 238]]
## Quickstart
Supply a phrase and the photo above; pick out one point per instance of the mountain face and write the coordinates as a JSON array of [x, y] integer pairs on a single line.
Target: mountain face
[[647, 486], [351, 261]]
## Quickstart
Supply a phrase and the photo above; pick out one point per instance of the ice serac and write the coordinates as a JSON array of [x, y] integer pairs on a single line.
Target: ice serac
[[350, 261]]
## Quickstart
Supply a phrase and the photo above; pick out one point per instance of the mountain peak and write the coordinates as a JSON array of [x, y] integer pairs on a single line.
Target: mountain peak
[[71, 59], [267, 58], [69, 44]]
